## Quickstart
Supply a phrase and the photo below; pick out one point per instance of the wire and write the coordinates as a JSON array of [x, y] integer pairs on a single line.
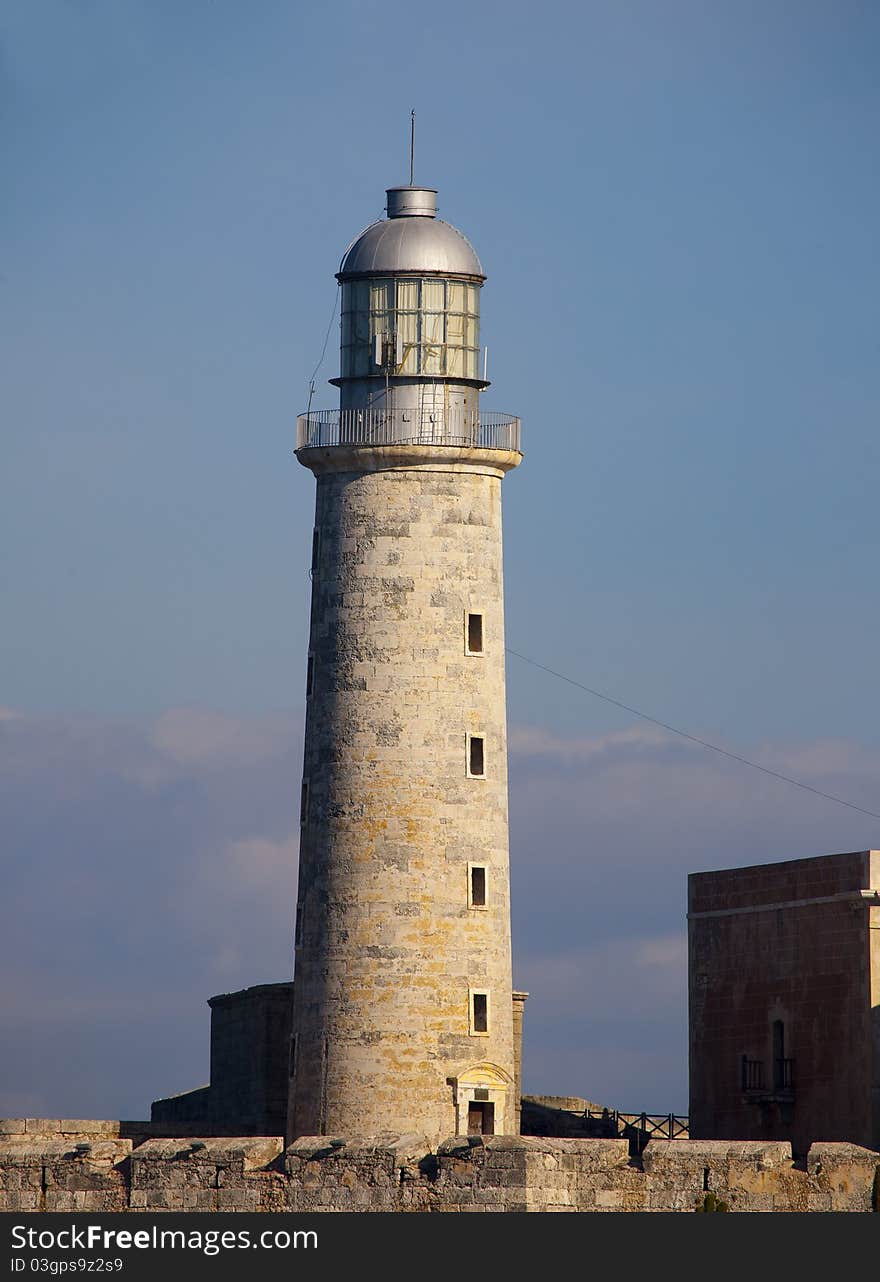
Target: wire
[[683, 734], [326, 341]]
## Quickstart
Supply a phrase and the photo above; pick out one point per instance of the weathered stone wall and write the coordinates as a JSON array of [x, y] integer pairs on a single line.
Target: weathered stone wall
[[787, 942], [407, 542], [250, 1041], [44, 1171]]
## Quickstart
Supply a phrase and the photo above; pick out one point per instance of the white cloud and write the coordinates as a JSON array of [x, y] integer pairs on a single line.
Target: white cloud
[[201, 737], [824, 758], [666, 953], [644, 977], [535, 741], [642, 791]]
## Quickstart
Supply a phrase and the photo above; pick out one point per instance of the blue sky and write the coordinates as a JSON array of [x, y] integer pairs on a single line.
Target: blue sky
[[676, 207]]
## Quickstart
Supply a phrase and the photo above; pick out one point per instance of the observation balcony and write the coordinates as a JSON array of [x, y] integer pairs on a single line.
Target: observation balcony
[[383, 426], [753, 1084]]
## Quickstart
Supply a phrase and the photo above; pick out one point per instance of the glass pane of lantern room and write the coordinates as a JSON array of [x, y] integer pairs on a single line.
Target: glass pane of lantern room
[[408, 326], [455, 295], [432, 328], [455, 362], [378, 295], [408, 295], [380, 321], [455, 328], [433, 295], [432, 343], [409, 359], [380, 324], [432, 358], [408, 334]]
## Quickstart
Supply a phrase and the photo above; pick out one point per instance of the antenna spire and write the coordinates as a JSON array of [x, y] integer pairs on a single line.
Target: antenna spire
[[412, 144]]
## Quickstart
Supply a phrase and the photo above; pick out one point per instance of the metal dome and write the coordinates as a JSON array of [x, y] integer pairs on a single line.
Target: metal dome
[[411, 239]]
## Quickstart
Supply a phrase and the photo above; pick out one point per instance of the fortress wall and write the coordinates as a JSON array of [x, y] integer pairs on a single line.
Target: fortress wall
[[44, 1171]]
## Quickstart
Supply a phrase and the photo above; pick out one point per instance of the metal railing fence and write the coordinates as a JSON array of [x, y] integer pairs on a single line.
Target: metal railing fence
[[639, 1128], [752, 1074], [381, 426]]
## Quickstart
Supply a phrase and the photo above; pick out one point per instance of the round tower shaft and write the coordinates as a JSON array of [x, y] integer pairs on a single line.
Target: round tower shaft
[[402, 985]]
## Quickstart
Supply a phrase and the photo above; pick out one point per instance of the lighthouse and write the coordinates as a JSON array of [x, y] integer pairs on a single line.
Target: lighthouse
[[402, 1017]]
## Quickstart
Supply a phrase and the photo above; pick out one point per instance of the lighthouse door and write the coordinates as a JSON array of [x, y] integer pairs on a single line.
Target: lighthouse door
[[481, 1118]]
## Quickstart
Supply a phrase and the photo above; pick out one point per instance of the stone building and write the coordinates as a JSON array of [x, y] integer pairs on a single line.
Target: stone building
[[784, 991], [247, 1093], [403, 1007]]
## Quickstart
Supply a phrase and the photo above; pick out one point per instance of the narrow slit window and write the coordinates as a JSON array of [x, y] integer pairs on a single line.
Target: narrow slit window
[[310, 675], [474, 634], [316, 547], [476, 756], [291, 1065], [479, 1012], [298, 928], [477, 888], [782, 1064], [304, 802]]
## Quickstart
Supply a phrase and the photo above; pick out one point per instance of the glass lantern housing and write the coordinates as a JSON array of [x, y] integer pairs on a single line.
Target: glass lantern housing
[[417, 325]]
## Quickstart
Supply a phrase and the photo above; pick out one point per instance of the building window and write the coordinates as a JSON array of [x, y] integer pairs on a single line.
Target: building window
[[304, 802], [478, 886], [473, 640], [476, 756], [291, 1064], [298, 928], [479, 1012], [783, 1065], [310, 675]]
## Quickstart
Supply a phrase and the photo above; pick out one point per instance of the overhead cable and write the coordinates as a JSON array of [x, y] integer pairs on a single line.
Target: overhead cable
[[683, 734]]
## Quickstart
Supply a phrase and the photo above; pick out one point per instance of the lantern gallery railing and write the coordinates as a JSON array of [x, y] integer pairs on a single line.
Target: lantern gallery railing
[[374, 426]]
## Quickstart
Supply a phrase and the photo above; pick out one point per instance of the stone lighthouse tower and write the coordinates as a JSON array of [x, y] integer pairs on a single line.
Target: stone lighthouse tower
[[402, 987]]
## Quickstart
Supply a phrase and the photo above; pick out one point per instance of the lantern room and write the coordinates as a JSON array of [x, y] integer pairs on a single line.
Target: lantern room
[[410, 328]]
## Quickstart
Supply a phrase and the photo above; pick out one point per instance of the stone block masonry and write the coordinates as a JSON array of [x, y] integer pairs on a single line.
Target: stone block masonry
[[784, 992], [93, 1170], [247, 1095], [403, 994]]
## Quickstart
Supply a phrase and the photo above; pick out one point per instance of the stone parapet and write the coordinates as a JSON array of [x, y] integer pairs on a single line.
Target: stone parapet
[[44, 1170]]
